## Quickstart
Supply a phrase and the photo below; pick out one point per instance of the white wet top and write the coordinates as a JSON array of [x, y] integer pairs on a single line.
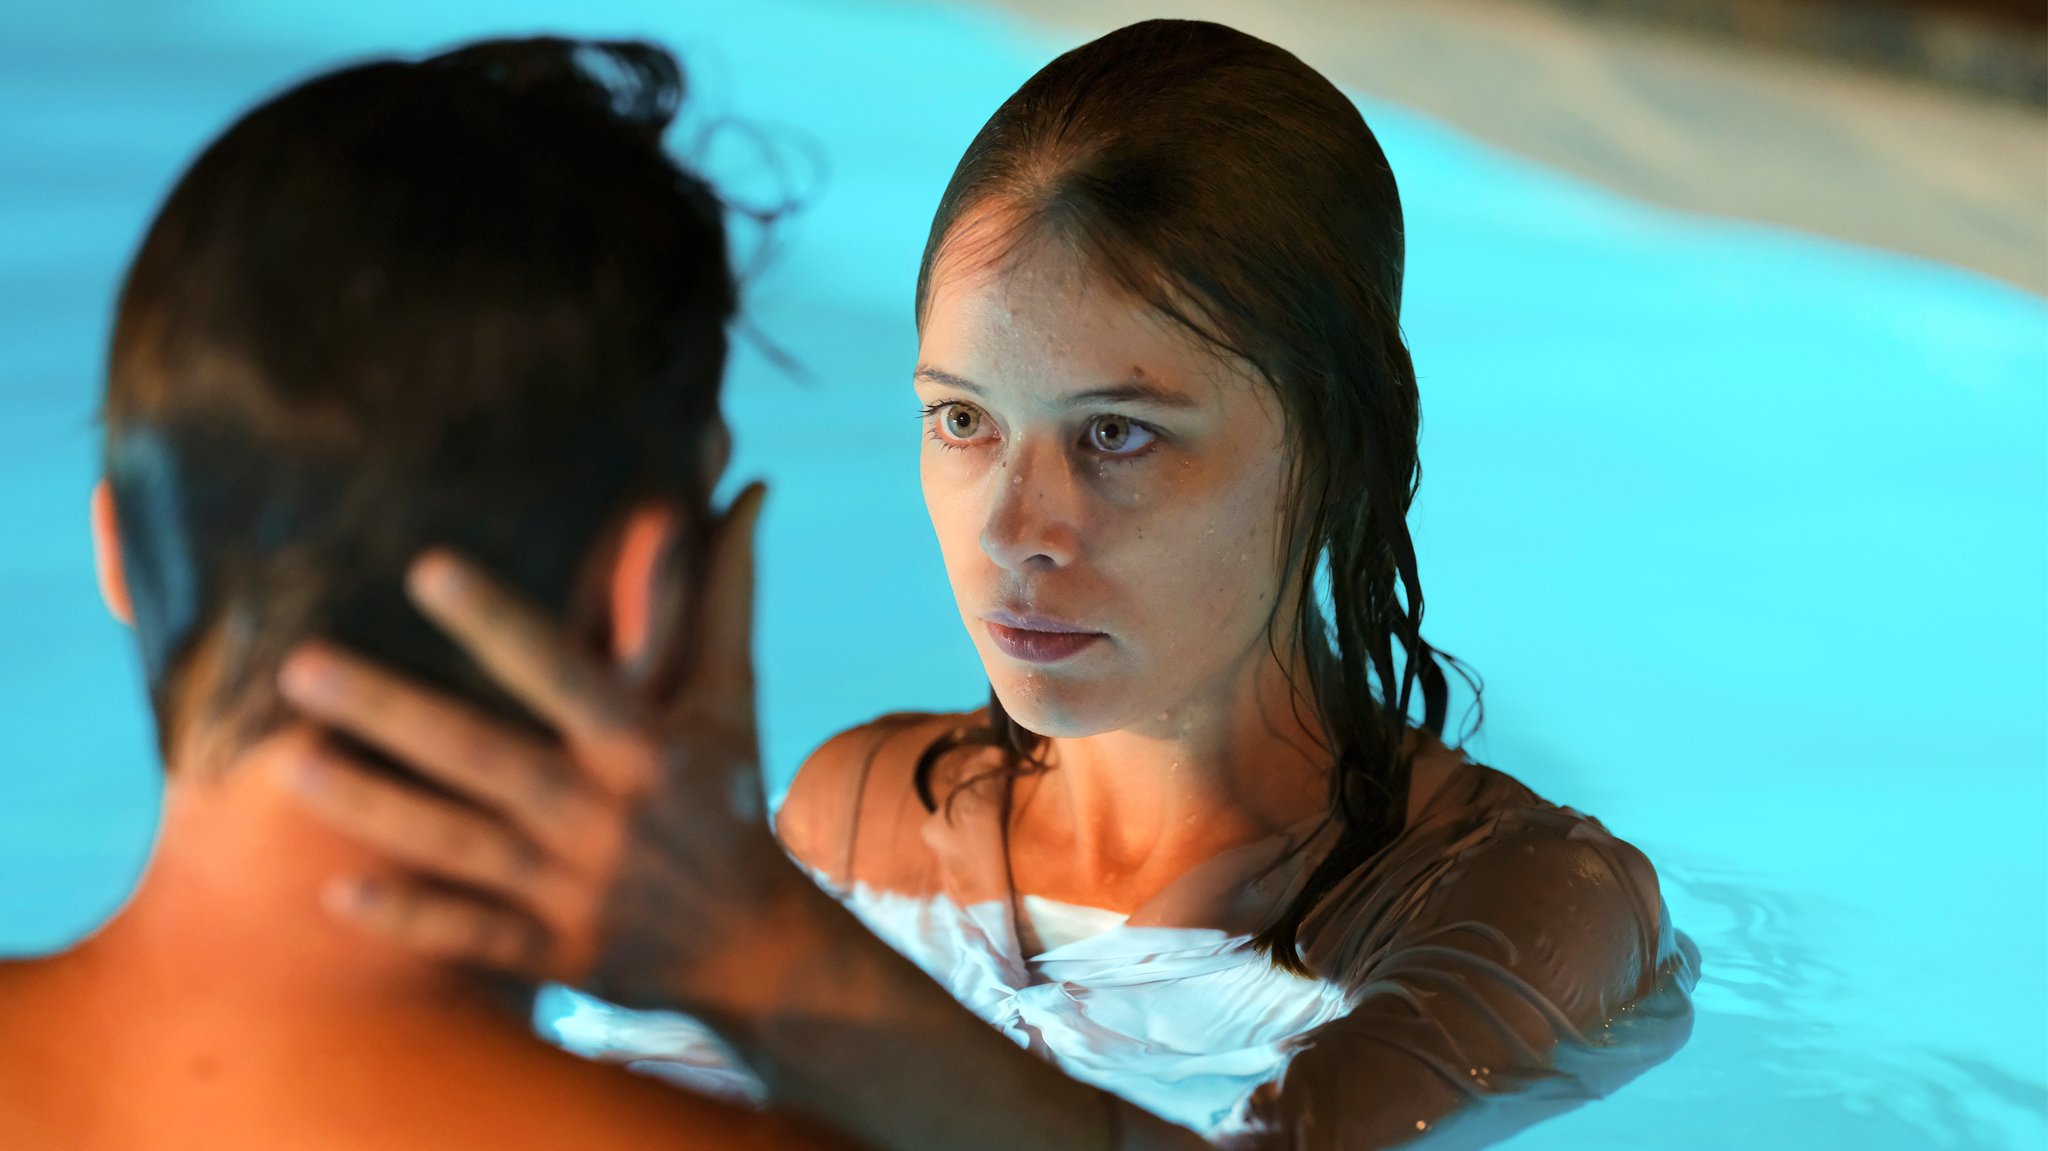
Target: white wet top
[[1054, 924], [1504, 960], [1185, 1022]]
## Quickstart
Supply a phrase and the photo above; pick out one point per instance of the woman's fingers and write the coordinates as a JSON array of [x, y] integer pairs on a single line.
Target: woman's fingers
[[527, 653], [722, 683], [447, 925], [530, 783], [718, 757], [435, 836]]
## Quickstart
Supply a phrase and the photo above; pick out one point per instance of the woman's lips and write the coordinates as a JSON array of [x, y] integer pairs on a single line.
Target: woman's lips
[[1039, 646]]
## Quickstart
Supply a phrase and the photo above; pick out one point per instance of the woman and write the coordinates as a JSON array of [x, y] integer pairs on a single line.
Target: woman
[[1194, 855]]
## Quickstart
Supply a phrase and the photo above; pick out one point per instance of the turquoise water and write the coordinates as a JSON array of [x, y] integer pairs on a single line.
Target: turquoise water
[[1748, 531]]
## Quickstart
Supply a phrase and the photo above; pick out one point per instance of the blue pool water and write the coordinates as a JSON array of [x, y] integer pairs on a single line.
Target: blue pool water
[[1748, 531]]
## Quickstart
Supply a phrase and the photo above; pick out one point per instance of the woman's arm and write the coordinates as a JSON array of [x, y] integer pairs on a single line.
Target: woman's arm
[[838, 1025]]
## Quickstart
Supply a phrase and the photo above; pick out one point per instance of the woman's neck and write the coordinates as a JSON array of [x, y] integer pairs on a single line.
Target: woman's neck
[[1124, 812]]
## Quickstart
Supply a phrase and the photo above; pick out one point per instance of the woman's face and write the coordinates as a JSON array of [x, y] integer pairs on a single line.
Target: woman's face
[[1106, 490]]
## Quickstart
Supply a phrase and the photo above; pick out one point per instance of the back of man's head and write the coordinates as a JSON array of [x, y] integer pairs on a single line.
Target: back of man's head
[[462, 301]]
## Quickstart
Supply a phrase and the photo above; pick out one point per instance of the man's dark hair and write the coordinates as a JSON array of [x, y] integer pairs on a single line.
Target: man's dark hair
[[466, 300]]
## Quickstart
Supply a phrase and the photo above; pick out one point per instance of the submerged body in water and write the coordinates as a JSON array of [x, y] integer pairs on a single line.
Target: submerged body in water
[[1503, 961]]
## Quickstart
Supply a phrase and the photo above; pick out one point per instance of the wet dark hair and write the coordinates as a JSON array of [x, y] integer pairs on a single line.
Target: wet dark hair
[[1226, 183], [463, 300]]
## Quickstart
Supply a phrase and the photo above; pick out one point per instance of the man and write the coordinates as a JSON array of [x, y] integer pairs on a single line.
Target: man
[[464, 301]]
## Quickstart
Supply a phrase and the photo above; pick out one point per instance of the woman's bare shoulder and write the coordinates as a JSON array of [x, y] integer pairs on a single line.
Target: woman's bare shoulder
[[853, 805]]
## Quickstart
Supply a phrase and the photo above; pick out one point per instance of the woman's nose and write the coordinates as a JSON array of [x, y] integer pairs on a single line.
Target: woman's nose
[[1032, 520]]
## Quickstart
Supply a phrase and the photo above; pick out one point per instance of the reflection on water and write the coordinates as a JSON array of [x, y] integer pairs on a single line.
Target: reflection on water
[[1770, 1035], [1751, 932]]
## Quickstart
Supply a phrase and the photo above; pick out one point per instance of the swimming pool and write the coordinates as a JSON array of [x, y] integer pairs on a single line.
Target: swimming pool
[[1747, 531]]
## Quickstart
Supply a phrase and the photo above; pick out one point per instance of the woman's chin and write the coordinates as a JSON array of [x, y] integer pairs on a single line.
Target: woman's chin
[[1056, 707]]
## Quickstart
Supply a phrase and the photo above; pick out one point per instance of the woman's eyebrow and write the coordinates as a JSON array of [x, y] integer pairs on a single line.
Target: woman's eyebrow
[[1134, 391], [933, 375]]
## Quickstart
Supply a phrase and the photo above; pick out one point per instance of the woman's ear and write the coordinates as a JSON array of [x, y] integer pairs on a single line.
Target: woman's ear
[[106, 555]]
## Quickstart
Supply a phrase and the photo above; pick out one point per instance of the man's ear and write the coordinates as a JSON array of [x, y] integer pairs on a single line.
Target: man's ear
[[643, 592], [106, 555], [647, 588], [715, 452]]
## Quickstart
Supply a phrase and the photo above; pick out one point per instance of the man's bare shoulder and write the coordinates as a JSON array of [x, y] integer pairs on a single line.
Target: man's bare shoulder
[[854, 807], [536, 1096], [426, 1079], [514, 1092]]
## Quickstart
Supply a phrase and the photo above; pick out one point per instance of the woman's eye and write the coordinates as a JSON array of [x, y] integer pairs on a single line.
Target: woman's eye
[[953, 423], [1118, 436]]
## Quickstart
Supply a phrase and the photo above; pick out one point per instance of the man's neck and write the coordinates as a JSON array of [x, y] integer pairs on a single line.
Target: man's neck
[[228, 924]]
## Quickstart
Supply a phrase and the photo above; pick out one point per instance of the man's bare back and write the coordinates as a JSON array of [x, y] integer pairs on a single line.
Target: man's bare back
[[431, 1079], [221, 1011]]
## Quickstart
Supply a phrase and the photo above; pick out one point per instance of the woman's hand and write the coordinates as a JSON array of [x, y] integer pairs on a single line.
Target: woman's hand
[[615, 858], [631, 857]]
